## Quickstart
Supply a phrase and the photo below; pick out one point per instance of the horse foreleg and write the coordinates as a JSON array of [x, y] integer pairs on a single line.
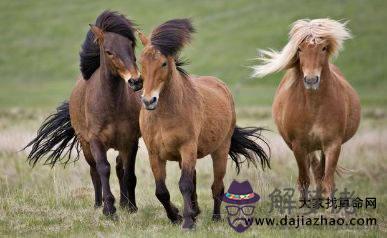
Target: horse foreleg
[[103, 167], [332, 154], [93, 173], [186, 184], [162, 193], [303, 163], [194, 197]]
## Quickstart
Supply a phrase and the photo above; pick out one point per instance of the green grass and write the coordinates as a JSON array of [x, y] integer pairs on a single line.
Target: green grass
[[40, 41], [59, 202], [39, 46]]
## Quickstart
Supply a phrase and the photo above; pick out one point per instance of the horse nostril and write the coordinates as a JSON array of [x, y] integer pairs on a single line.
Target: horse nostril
[[311, 79], [143, 99], [153, 100]]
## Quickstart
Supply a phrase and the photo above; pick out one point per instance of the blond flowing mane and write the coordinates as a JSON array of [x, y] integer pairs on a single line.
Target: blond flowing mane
[[316, 31]]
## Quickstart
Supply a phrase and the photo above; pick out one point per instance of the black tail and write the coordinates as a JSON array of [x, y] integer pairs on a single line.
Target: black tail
[[243, 143], [54, 138]]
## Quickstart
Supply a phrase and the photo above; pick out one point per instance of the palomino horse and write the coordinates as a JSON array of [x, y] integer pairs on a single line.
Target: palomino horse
[[186, 118], [103, 111], [315, 108]]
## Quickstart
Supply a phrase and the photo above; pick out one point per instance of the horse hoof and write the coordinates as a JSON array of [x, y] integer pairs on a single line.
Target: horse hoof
[[97, 205], [196, 211], [177, 220], [109, 211], [188, 224], [132, 209], [216, 217]]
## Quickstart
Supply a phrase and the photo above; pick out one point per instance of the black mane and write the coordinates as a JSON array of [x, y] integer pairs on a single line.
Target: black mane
[[108, 21]]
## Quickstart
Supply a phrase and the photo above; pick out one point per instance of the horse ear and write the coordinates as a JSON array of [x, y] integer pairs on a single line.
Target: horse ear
[[98, 33], [144, 40]]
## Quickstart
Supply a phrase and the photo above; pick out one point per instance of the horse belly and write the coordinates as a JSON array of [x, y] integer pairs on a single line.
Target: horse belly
[[219, 115]]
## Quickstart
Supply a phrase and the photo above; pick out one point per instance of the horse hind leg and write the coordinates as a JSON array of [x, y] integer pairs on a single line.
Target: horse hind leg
[[120, 176], [332, 154], [317, 169], [219, 161], [93, 173], [129, 178]]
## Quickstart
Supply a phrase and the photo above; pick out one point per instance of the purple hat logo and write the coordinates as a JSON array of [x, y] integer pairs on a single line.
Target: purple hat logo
[[241, 199]]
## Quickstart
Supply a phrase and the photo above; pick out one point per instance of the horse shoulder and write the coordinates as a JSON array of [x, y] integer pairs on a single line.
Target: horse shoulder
[[283, 104]]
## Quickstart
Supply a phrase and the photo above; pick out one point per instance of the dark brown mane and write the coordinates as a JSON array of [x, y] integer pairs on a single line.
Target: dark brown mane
[[179, 62], [108, 21], [172, 35]]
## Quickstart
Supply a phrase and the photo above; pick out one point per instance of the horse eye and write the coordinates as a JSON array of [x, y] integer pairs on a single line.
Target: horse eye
[[164, 64], [324, 49], [109, 53]]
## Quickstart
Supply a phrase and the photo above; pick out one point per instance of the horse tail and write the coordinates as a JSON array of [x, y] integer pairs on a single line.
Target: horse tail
[[55, 138], [244, 142]]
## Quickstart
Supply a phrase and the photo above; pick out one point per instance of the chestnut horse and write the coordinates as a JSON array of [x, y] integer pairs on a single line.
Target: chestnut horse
[[186, 118], [103, 112], [314, 108]]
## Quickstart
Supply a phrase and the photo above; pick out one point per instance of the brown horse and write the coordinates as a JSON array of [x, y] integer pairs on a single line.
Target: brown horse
[[315, 108], [103, 111], [186, 118]]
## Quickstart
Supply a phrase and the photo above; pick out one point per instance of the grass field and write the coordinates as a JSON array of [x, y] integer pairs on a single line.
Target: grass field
[[59, 202], [39, 46]]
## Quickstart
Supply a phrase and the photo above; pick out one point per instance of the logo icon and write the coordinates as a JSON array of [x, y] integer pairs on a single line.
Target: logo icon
[[241, 201]]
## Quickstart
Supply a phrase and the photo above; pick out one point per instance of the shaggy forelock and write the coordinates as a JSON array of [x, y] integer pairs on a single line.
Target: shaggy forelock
[[313, 31], [170, 37]]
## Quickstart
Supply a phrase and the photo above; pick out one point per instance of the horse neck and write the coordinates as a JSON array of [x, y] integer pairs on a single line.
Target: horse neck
[[111, 87], [177, 93]]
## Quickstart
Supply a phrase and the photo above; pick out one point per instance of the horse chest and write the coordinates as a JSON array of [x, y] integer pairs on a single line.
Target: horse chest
[[117, 135], [163, 139], [315, 135]]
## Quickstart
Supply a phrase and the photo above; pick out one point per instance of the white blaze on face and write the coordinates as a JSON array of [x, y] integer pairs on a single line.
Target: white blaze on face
[[154, 93], [312, 73], [126, 76]]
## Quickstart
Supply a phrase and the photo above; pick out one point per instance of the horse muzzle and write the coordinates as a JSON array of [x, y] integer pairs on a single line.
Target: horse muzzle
[[312, 82], [135, 84], [149, 104]]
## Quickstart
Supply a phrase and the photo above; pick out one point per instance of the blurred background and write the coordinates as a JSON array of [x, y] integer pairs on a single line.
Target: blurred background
[[40, 42], [39, 62]]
